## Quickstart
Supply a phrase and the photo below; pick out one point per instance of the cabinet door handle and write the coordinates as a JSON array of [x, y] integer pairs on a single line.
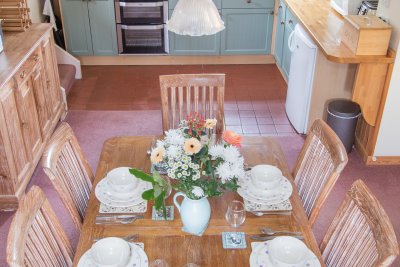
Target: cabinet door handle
[[290, 21], [22, 75], [248, 1], [271, 13], [282, 22], [36, 58], [279, 7]]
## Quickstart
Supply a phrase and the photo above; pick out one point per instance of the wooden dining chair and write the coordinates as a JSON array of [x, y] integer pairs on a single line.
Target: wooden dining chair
[[184, 94], [321, 160], [36, 237], [361, 233], [64, 163]]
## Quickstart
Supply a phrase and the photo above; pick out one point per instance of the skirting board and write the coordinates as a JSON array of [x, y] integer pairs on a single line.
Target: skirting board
[[176, 60], [383, 160]]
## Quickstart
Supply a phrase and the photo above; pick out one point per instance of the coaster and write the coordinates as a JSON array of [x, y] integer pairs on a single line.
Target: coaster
[[140, 208], [233, 240], [159, 216]]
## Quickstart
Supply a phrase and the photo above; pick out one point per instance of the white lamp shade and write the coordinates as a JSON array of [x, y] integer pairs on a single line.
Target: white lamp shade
[[195, 18]]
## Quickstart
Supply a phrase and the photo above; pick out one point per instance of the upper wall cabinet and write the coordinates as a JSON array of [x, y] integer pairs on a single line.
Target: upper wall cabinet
[[89, 27]]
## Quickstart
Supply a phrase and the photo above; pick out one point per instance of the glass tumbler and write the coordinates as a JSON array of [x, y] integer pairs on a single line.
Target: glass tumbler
[[235, 214]]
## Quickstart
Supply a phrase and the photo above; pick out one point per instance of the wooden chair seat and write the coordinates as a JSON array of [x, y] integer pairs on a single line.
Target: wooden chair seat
[[361, 233], [65, 165], [36, 237], [184, 94], [321, 160]]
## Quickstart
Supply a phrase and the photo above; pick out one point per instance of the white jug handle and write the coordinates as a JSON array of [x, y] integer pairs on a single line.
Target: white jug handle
[[178, 194]]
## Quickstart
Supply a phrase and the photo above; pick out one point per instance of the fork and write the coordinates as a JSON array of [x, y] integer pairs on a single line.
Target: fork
[[118, 221], [261, 213], [269, 231]]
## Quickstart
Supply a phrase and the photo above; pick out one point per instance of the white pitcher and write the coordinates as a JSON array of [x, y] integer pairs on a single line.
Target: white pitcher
[[195, 214]]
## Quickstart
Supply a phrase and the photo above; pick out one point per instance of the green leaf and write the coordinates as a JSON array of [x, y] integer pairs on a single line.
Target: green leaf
[[157, 190], [148, 194], [142, 175]]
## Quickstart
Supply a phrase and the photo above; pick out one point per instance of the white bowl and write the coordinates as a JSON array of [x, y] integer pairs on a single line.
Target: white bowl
[[287, 251], [265, 176], [121, 180], [111, 252]]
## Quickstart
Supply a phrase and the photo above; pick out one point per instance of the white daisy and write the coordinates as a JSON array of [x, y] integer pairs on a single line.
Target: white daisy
[[216, 151], [174, 151], [198, 191], [224, 171], [231, 154], [174, 137]]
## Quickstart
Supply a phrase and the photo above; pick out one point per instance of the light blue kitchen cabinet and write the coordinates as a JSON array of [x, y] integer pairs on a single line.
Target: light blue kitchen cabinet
[[286, 22], [248, 31], [193, 45], [280, 33], [247, 3], [77, 27], [89, 27]]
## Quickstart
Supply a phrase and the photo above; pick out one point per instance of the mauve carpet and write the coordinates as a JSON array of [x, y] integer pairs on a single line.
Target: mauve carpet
[[94, 127]]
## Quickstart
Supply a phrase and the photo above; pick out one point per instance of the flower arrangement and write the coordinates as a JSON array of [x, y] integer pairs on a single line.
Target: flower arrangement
[[198, 166]]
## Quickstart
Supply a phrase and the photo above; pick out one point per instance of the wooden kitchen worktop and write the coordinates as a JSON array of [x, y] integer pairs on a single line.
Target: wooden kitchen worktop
[[324, 25], [17, 48]]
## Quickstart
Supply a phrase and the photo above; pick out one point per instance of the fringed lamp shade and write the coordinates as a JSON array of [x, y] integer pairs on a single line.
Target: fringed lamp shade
[[195, 18]]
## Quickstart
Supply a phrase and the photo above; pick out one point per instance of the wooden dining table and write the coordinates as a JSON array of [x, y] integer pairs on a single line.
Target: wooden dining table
[[165, 239]]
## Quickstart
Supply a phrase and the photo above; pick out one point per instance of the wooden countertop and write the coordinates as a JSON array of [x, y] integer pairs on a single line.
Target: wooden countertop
[[17, 47], [324, 26]]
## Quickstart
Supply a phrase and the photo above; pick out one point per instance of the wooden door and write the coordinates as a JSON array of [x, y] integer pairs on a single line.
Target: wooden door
[[102, 27], [52, 90], [39, 89], [248, 31], [28, 115], [15, 159]]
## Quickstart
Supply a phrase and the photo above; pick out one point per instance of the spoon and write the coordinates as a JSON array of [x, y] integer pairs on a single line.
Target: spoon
[[269, 231], [261, 213]]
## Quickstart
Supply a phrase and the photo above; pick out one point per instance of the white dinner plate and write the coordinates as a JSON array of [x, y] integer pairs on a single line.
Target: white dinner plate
[[122, 197], [138, 258], [259, 257], [270, 197], [102, 194]]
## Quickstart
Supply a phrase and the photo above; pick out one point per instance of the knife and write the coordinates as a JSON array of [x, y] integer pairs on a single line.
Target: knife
[[263, 237], [116, 217]]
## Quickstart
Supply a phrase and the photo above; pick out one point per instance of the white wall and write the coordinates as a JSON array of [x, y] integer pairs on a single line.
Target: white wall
[[388, 143], [36, 8]]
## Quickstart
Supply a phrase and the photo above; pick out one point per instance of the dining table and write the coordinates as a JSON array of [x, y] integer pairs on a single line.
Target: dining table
[[164, 239]]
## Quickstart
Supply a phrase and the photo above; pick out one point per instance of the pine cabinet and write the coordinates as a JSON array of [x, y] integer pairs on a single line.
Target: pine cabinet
[[89, 27], [30, 107], [285, 24]]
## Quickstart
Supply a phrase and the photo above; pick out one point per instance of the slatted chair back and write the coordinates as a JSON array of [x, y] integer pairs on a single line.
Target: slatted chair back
[[361, 233], [185, 94], [64, 163], [321, 160], [36, 237]]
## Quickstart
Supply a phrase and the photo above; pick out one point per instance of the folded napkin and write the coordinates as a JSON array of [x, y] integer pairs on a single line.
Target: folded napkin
[[140, 208]]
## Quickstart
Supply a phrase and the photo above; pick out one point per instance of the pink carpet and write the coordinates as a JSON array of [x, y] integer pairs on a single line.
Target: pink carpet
[[94, 127]]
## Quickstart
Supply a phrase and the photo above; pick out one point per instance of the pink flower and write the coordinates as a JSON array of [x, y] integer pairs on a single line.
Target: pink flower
[[232, 138]]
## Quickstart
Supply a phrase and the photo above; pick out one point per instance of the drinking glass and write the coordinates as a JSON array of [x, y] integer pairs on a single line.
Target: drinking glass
[[159, 263], [235, 214]]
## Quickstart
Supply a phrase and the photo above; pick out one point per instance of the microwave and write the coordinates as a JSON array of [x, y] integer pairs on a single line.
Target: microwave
[[346, 7]]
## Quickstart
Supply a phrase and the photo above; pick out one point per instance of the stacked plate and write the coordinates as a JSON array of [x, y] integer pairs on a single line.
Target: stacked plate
[[113, 251], [282, 251], [265, 185], [121, 189]]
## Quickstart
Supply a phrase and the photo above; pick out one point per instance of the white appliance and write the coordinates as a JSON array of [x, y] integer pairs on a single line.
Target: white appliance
[[301, 75], [346, 7]]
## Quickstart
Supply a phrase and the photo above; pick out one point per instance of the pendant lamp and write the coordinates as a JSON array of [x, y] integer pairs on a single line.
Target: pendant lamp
[[195, 18]]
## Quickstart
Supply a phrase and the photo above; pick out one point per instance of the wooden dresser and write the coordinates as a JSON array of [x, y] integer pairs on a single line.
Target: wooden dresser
[[30, 107]]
